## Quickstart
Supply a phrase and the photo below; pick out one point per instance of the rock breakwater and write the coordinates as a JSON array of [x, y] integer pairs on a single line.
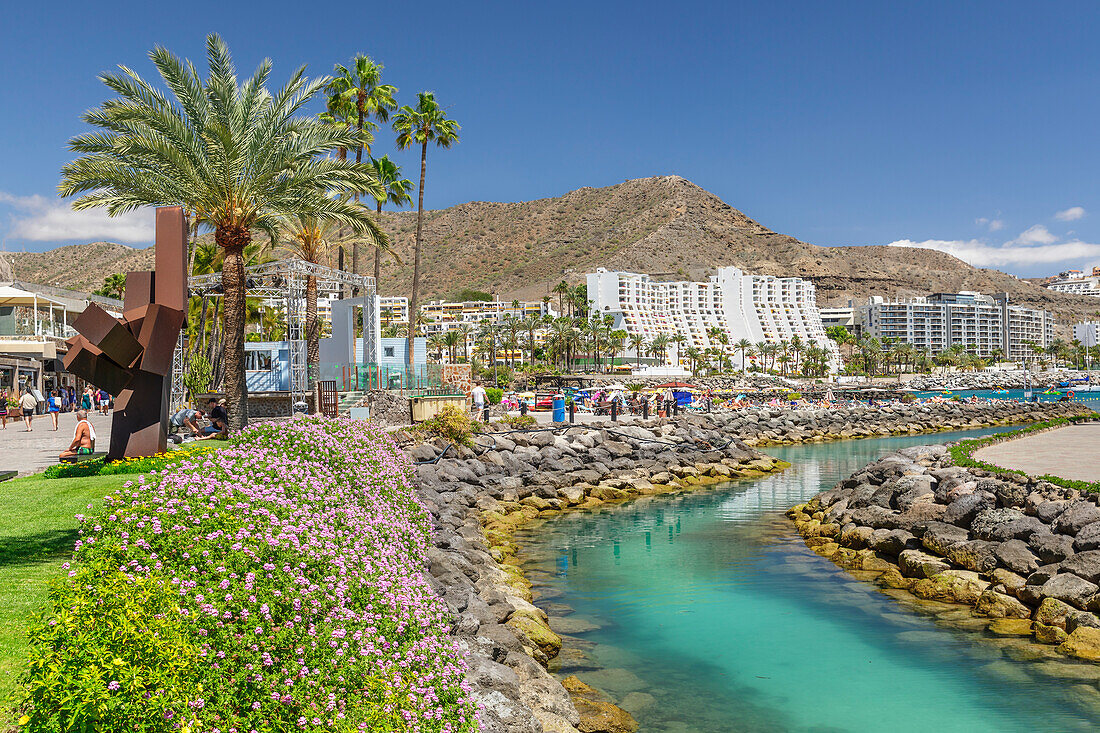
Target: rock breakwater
[[776, 425], [1023, 553]]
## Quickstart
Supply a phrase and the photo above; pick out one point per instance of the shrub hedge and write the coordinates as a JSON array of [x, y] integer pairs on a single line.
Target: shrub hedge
[[274, 585], [146, 464], [961, 452]]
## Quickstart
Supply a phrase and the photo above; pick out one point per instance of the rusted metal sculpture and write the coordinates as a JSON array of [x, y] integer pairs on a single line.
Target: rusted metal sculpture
[[132, 358]]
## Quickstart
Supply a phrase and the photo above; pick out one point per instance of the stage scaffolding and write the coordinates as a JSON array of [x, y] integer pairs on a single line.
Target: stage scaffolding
[[284, 282]]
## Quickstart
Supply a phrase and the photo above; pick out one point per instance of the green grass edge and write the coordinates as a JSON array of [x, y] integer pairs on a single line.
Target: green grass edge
[[962, 451]]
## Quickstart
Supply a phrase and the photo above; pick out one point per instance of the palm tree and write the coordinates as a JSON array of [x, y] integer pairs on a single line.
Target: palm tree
[[532, 323], [436, 346], [114, 286], [743, 345], [562, 289], [425, 123], [637, 342], [360, 85], [234, 154], [452, 339], [309, 240], [395, 190], [677, 339]]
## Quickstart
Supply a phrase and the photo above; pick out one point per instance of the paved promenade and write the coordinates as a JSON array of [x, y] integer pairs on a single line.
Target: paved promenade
[[32, 452], [1071, 452]]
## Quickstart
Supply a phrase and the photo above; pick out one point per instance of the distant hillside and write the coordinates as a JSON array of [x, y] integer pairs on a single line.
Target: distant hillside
[[666, 226], [80, 266]]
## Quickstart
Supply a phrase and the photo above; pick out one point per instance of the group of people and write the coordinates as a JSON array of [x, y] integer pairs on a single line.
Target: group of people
[[24, 404], [191, 420]]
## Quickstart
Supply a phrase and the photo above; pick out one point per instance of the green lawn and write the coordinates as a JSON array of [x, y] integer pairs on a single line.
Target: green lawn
[[37, 534]]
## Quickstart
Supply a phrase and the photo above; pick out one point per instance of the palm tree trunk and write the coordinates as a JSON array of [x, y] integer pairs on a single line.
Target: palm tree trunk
[[233, 241], [313, 333], [378, 254], [416, 252]]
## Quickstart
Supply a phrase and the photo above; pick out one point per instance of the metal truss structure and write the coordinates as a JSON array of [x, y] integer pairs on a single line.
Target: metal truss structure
[[285, 281]]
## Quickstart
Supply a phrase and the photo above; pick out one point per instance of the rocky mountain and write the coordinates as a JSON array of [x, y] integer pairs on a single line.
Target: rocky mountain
[[665, 225]]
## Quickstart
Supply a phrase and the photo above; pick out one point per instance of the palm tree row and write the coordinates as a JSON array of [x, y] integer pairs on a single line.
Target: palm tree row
[[243, 160]]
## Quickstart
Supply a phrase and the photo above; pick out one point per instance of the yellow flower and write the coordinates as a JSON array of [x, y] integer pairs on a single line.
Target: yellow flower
[[24, 720], [119, 662]]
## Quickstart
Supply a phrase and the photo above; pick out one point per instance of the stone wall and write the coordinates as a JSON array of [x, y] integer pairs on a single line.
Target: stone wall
[[1023, 552]]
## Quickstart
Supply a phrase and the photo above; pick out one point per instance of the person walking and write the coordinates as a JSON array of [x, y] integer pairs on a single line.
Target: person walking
[[28, 403], [104, 401], [3, 409], [53, 406], [477, 397], [87, 400]]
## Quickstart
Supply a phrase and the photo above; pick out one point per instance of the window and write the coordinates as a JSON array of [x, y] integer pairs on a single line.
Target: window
[[388, 350], [257, 361]]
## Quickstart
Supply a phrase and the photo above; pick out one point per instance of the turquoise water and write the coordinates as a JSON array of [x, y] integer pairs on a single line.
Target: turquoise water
[[1013, 394], [706, 612]]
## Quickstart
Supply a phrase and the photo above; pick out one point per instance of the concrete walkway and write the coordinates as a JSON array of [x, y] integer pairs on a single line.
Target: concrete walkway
[[1071, 452], [34, 451]]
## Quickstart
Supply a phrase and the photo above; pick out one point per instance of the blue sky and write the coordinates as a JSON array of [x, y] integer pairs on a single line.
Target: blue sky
[[969, 127]]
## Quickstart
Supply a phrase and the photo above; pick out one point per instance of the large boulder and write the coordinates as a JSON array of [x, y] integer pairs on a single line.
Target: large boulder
[[892, 541], [1070, 588], [940, 536], [963, 509], [1083, 643], [1088, 538], [1017, 557], [1005, 524], [1085, 565], [1051, 547], [596, 714], [998, 605], [976, 555], [1076, 516], [919, 564]]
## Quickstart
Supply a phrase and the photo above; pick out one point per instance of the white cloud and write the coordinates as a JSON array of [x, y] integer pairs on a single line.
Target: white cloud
[[982, 254], [1034, 236], [39, 219], [994, 225], [1073, 213]]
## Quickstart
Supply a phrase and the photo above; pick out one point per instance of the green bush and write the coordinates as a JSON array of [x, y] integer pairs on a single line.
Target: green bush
[[494, 395], [517, 422], [115, 660], [146, 464], [450, 423]]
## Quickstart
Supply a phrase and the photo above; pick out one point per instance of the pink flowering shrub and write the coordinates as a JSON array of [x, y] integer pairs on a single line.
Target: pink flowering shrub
[[294, 564]]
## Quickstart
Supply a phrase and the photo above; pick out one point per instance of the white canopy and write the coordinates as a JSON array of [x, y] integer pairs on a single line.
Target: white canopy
[[17, 296]]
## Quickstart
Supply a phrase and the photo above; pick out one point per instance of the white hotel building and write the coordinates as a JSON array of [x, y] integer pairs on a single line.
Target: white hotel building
[[754, 307]]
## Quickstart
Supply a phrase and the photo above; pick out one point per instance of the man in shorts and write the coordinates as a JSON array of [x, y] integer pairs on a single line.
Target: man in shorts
[[28, 403], [83, 437], [104, 401]]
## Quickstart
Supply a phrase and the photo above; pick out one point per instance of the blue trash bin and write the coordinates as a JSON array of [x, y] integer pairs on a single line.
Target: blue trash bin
[[559, 408]]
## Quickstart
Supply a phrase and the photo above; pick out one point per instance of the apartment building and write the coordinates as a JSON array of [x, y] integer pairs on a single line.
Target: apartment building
[[754, 307], [979, 323], [1077, 283]]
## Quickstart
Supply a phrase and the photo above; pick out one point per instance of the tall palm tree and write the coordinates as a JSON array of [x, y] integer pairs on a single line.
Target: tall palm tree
[[637, 342], [743, 345], [562, 289], [360, 84], [237, 155], [420, 125], [395, 190], [452, 339], [309, 238]]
